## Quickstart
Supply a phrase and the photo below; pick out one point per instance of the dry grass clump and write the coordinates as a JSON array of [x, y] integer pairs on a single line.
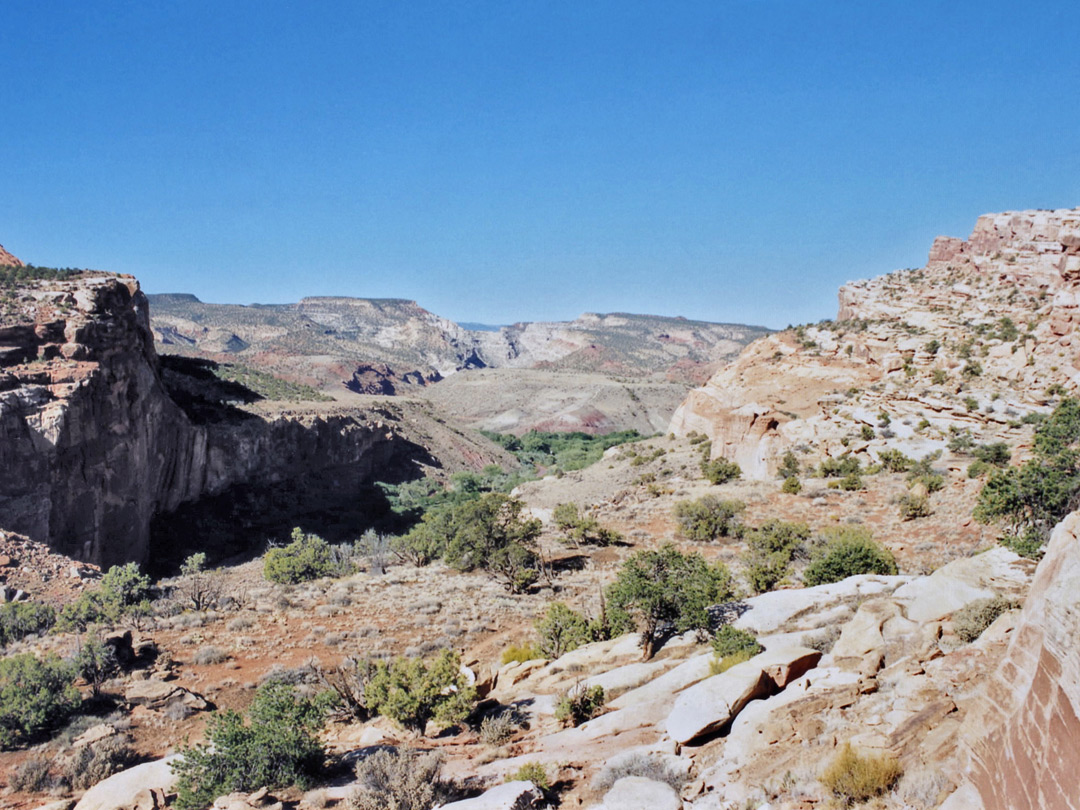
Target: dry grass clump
[[398, 779], [855, 778], [649, 766], [31, 776], [209, 655], [520, 653], [970, 621]]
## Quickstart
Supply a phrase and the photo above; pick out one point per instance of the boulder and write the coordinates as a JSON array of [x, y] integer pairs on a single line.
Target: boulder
[[997, 571], [709, 705], [508, 796], [667, 685], [121, 791], [160, 695], [639, 793]]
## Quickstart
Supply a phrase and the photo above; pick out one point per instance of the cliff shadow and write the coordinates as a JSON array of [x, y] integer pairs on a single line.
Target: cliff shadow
[[203, 394], [337, 503]]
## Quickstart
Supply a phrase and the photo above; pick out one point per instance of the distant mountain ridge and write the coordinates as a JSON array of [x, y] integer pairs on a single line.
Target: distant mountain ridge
[[336, 335]]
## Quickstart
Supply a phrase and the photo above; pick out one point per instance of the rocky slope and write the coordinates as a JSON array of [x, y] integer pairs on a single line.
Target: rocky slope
[[92, 447], [973, 340], [7, 260]]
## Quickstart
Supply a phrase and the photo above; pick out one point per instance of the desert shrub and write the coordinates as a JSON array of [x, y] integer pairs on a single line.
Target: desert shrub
[[914, 506], [728, 640], [720, 665], [854, 778], [851, 483], [971, 404], [93, 763], [305, 558], [977, 469], [346, 684], [666, 587], [95, 661], [996, 454], [561, 630], [770, 549], [398, 779], [20, 619], [789, 466], [35, 695], [848, 551], [411, 692], [972, 369], [720, 471], [580, 528], [894, 461], [376, 548], [839, 467], [648, 766], [534, 772], [708, 518], [210, 654], [579, 704], [498, 728], [200, 588], [278, 747], [791, 485], [866, 433], [974, 617], [939, 376], [32, 775], [520, 653], [124, 590], [823, 642]]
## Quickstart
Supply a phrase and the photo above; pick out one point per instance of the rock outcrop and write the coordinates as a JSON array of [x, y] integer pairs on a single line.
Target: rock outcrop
[[993, 315], [92, 447], [7, 260], [1022, 732]]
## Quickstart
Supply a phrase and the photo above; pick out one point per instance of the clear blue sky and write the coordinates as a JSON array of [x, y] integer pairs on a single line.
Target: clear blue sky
[[502, 161]]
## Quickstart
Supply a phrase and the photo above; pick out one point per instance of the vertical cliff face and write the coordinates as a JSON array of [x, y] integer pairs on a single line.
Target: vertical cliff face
[[1022, 733], [995, 312], [92, 446]]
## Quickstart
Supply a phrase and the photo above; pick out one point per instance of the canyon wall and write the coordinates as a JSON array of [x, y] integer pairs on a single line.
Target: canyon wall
[[92, 446]]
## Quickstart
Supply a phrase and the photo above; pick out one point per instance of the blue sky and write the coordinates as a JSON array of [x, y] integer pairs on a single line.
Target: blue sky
[[728, 161]]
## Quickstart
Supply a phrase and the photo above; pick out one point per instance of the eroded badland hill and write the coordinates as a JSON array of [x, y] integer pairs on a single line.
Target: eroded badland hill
[[948, 665]]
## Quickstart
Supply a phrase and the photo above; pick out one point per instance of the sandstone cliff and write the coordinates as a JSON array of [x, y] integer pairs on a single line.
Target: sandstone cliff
[[7, 260], [1022, 733], [972, 341], [92, 447]]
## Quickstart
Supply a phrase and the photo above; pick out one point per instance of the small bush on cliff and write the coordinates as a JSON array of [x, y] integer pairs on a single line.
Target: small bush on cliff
[[278, 747], [307, 557], [970, 620], [848, 551], [914, 506], [709, 518], [580, 704], [657, 589], [854, 778], [35, 695], [730, 640]]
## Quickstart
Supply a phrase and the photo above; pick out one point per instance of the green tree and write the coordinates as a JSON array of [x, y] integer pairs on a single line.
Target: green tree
[[202, 588], [411, 692], [124, 590], [20, 619], [658, 588], [278, 747], [95, 661], [561, 630], [770, 550], [307, 557], [35, 695], [491, 534]]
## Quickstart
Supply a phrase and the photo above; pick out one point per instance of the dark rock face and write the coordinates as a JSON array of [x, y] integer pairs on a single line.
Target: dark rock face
[[92, 447]]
